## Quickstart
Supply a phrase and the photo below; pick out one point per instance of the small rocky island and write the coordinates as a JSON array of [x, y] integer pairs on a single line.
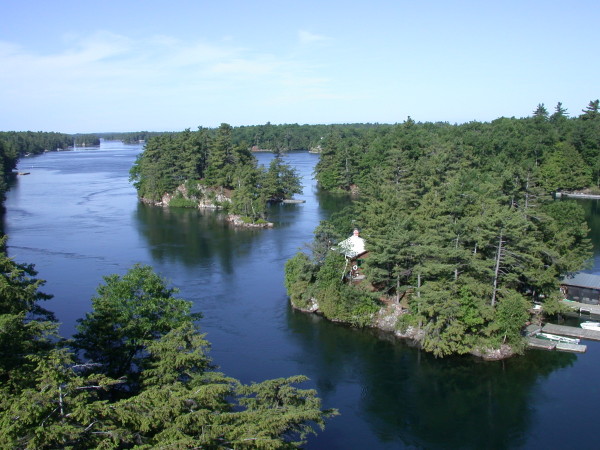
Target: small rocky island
[[204, 169]]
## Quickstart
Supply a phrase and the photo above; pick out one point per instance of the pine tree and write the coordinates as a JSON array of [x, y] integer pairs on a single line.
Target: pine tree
[[592, 111], [128, 313], [178, 400], [540, 113], [281, 181]]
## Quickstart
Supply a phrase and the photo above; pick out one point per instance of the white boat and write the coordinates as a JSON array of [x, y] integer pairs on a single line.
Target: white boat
[[590, 325], [557, 338]]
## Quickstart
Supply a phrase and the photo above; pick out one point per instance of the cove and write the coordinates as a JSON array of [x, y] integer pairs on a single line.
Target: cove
[[76, 218]]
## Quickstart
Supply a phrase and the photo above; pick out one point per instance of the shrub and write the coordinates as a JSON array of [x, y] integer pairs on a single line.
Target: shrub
[[180, 201]]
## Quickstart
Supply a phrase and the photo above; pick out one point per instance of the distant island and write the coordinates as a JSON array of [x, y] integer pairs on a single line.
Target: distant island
[[197, 170]]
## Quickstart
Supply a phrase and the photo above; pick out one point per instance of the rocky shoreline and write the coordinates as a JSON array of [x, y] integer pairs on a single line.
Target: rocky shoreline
[[238, 221], [385, 321], [210, 199]]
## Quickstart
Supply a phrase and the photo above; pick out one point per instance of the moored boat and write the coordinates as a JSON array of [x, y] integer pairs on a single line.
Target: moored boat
[[590, 325], [557, 338]]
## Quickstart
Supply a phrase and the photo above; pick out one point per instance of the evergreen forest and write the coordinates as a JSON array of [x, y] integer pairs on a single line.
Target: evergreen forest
[[136, 375], [460, 223], [23, 143], [201, 166]]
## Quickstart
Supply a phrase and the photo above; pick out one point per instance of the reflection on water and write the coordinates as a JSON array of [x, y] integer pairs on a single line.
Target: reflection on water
[[390, 395], [409, 396], [592, 215], [192, 237]]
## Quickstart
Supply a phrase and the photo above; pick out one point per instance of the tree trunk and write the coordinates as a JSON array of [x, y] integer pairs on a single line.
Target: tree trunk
[[344, 271], [456, 248], [527, 192], [497, 269], [419, 304]]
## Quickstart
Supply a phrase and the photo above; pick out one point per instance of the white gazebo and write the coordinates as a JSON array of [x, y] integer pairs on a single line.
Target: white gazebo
[[352, 247]]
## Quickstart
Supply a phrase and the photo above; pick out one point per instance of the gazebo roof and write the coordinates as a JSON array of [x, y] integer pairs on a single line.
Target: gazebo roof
[[353, 246]]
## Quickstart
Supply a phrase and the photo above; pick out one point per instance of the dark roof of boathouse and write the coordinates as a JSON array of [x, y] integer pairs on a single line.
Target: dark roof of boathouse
[[586, 280]]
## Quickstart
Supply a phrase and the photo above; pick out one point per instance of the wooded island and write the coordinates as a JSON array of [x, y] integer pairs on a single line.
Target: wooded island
[[192, 169], [460, 224]]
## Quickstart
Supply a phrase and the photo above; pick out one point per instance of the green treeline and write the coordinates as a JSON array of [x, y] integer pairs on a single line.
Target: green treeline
[[8, 160], [287, 137], [563, 151], [136, 374], [85, 140], [275, 138], [28, 142], [201, 165], [24, 143], [459, 223], [132, 137], [271, 137]]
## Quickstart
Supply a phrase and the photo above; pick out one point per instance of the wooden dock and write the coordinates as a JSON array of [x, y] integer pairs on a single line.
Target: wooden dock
[[576, 348], [561, 330], [545, 344], [582, 308], [533, 329], [580, 333]]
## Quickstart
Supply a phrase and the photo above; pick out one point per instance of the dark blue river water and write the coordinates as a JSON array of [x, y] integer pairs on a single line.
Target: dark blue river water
[[76, 217]]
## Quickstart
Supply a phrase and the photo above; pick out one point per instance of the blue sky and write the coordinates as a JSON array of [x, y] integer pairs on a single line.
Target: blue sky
[[89, 66]]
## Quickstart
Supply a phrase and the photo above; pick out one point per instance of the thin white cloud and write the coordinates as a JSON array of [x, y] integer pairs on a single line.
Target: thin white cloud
[[306, 37], [245, 67], [161, 72], [102, 45], [107, 61]]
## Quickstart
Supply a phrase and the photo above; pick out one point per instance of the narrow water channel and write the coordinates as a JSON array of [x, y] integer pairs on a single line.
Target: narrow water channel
[[76, 217]]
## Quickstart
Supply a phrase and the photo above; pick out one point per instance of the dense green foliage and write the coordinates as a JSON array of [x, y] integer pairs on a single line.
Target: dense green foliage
[[146, 380], [564, 151], [8, 162], [19, 334], [127, 313], [267, 137], [287, 137], [194, 165], [307, 280], [21, 143], [86, 140], [461, 219], [132, 137]]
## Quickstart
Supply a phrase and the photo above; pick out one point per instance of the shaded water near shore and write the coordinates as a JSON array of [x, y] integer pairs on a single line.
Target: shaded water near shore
[[76, 217]]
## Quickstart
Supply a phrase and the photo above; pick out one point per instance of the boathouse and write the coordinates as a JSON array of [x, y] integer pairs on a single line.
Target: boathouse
[[355, 252], [582, 288]]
